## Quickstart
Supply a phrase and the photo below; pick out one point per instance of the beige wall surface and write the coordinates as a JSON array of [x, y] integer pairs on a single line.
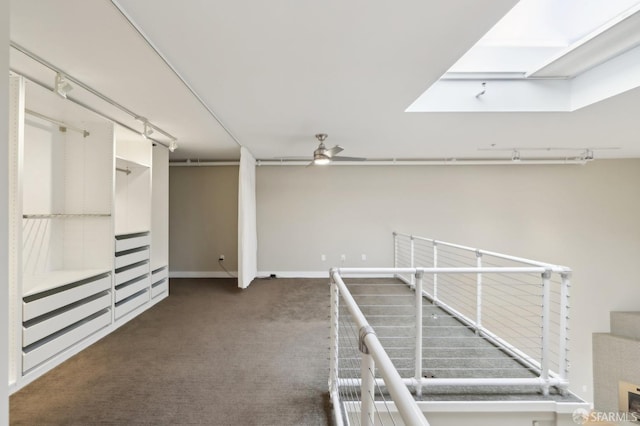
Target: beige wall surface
[[203, 219], [585, 217]]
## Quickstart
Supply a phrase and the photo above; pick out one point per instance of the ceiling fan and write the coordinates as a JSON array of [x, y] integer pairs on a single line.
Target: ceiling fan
[[323, 155]]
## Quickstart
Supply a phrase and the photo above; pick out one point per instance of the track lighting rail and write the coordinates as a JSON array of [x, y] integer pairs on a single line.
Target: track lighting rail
[[94, 92]]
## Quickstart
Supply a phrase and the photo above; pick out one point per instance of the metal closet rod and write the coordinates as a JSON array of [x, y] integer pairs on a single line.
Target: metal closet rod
[[90, 90], [61, 124]]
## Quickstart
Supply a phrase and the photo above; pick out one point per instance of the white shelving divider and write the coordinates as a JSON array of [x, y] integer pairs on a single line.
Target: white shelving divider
[[133, 168], [160, 224]]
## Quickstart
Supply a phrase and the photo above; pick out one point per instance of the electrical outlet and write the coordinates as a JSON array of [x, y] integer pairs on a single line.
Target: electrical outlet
[[323, 257], [221, 257], [343, 257]]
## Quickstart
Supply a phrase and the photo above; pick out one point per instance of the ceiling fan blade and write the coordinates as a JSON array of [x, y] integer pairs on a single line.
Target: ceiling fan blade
[[333, 151], [292, 157], [341, 158], [309, 165]]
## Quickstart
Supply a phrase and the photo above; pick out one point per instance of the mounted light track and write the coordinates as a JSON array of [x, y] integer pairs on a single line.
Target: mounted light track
[[62, 86], [443, 162]]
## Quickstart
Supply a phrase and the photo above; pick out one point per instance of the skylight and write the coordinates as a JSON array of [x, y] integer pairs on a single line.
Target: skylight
[[545, 55], [536, 30]]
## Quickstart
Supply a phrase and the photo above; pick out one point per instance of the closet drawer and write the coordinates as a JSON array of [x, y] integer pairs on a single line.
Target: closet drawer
[[132, 257], [159, 274], [55, 323], [159, 288], [130, 273], [51, 302], [31, 357], [131, 241], [131, 288], [127, 305]]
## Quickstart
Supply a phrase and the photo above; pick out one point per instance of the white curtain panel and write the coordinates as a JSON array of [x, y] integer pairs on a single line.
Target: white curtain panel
[[247, 229]]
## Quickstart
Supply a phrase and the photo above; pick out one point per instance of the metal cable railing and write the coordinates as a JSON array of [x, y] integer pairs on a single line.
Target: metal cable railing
[[365, 387], [454, 320], [518, 305]]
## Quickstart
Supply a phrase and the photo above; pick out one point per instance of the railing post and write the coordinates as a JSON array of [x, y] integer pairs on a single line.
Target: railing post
[[478, 292], [435, 275], [564, 327], [412, 259], [418, 364], [333, 359], [546, 301], [395, 249], [367, 385]]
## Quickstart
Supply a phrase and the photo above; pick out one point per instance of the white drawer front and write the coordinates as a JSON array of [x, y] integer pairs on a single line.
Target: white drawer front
[[42, 353], [160, 288], [123, 244], [129, 274], [56, 323], [132, 304], [55, 301], [131, 289], [159, 275], [131, 258]]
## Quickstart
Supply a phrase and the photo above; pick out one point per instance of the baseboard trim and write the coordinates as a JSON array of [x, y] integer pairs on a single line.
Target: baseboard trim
[[264, 274], [202, 274], [312, 274], [294, 274]]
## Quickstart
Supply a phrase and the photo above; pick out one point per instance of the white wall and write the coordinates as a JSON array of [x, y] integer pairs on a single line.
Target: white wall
[[4, 219], [585, 217]]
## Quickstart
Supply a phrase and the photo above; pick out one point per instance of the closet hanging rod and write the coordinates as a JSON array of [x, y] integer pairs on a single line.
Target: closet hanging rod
[[87, 107], [89, 89], [127, 171], [61, 124]]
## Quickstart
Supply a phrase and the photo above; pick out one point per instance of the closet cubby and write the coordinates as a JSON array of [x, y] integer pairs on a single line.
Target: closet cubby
[[133, 183], [132, 222], [81, 243], [66, 192]]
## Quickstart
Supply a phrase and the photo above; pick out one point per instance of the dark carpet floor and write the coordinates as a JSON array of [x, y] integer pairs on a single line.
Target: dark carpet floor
[[209, 354]]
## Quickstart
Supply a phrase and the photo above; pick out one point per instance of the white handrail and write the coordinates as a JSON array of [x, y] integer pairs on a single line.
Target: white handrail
[[447, 270], [406, 405], [480, 296], [541, 362], [554, 268]]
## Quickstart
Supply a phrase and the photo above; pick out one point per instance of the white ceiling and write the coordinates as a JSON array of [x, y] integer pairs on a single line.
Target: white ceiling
[[275, 73]]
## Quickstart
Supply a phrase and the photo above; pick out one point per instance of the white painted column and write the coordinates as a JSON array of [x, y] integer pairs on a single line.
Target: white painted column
[[4, 218]]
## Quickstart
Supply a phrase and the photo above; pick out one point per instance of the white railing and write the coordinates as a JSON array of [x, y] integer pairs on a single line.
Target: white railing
[[516, 304], [355, 401], [466, 319]]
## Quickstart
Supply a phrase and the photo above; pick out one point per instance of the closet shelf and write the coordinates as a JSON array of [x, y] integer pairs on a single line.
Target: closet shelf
[[34, 284], [64, 215], [123, 162]]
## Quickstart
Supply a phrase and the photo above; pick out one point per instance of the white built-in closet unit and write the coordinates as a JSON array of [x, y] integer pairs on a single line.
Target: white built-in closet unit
[[88, 228]]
